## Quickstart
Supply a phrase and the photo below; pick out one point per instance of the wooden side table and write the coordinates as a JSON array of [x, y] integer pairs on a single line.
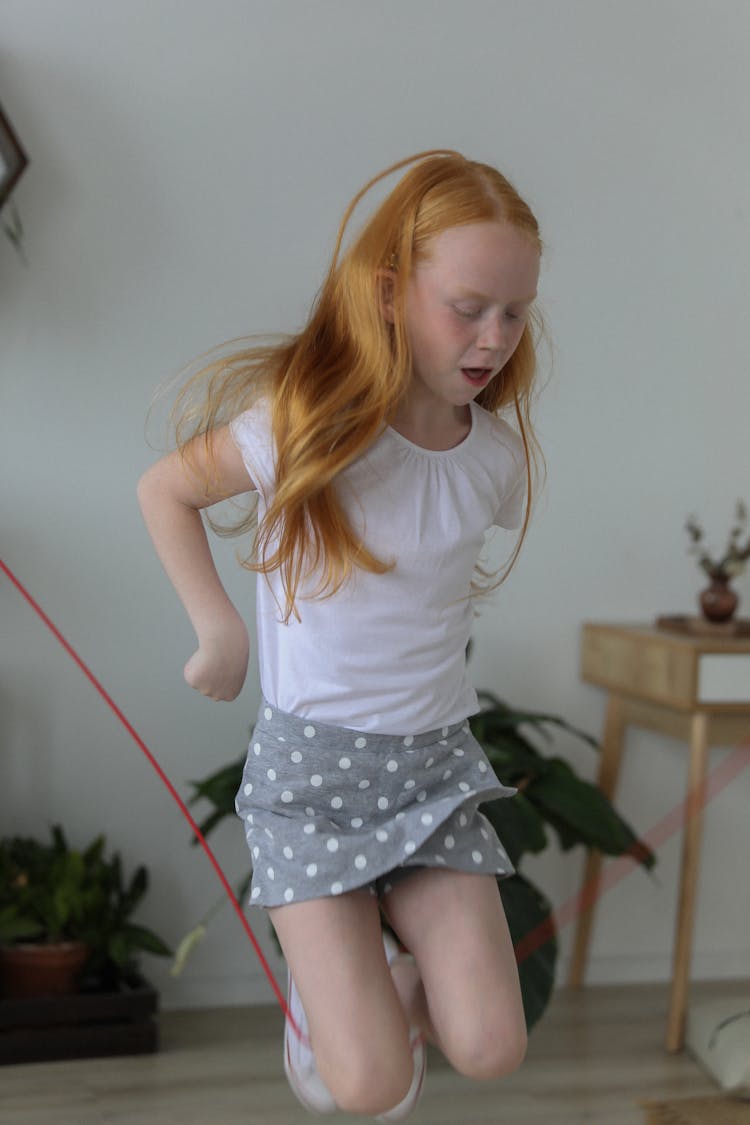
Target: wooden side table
[[692, 687]]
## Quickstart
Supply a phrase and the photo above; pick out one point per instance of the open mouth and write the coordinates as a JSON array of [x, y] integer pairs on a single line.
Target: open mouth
[[477, 376]]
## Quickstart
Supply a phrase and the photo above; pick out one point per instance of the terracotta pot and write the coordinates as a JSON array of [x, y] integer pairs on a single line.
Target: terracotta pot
[[36, 969], [718, 601]]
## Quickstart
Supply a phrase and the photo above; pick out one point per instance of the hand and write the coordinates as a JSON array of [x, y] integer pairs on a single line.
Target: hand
[[219, 666]]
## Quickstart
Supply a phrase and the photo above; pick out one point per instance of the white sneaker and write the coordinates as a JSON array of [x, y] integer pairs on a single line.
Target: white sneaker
[[299, 1060], [418, 1049]]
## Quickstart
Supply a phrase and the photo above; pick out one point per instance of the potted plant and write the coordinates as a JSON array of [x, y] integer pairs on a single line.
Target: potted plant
[[550, 797], [65, 916], [719, 601]]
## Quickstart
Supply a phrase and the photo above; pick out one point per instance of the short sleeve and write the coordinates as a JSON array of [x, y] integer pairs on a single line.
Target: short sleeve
[[251, 433], [510, 476]]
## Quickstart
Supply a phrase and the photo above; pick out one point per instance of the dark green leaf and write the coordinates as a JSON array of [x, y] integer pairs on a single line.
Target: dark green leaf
[[220, 790], [14, 927], [145, 940], [529, 916], [582, 814], [94, 852], [136, 890], [518, 824], [505, 717], [511, 756]]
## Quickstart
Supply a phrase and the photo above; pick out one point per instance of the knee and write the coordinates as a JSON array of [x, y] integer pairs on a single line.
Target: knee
[[367, 1083], [494, 1054]]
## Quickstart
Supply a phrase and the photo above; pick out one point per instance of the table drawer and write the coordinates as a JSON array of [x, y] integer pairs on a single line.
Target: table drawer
[[649, 668], [724, 678]]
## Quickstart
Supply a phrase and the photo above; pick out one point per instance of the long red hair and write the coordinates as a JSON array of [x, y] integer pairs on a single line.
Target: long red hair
[[336, 384]]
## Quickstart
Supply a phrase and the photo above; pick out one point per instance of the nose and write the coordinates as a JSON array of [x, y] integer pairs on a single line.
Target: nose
[[492, 334]]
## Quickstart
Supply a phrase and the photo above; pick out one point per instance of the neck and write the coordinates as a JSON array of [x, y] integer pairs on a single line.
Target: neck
[[433, 425]]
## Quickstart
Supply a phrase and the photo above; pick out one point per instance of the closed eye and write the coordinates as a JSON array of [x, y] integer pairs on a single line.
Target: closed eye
[[468, 312]]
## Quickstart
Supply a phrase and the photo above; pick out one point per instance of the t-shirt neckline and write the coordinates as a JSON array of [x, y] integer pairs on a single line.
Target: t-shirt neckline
[[439, 453]]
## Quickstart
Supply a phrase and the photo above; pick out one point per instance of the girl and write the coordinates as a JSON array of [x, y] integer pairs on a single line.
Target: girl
[[373, 442]]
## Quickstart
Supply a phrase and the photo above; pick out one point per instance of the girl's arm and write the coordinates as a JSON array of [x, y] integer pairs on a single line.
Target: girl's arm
[[171, 494]]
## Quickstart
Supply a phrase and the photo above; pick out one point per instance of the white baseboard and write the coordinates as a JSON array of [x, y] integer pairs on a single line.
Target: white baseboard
[[657, 968], [216, 992], [213, 991]]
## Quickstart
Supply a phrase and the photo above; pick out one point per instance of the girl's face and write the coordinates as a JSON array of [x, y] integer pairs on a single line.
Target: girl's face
[[467, 303]]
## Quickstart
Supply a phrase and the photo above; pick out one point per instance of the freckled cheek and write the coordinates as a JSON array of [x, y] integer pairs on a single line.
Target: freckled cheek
[[461, 332], [442, 332]]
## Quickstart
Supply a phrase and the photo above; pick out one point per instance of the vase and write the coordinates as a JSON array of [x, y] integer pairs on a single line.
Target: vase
[[39, 969], [718, 601]]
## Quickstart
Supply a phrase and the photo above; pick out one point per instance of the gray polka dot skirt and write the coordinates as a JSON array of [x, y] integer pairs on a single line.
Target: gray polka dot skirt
[[328, 810]]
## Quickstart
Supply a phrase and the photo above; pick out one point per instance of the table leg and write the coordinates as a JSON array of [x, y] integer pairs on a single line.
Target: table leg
[[691, 845], [609, 770]]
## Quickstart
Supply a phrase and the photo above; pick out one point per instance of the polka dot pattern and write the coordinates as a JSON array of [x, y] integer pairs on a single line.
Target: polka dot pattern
[[327, 810]]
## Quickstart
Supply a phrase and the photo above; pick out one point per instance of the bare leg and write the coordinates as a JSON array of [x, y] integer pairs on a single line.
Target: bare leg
[[470, 1000], [358, 1029]]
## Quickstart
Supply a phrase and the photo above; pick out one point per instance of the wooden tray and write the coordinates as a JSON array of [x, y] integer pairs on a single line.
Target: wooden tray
[[699, 627], [82, 1025]]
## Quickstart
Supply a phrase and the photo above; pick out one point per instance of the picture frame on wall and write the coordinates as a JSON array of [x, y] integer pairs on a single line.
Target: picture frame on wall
[[13, 159]]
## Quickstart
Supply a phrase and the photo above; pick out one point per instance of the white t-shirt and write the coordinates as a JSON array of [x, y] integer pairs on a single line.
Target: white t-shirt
[[386, 653]]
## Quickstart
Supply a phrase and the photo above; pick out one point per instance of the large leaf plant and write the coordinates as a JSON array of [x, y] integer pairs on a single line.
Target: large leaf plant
[[551, 798], [51, 892]]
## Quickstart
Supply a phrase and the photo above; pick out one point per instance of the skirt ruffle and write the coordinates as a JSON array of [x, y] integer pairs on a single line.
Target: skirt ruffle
[[328, 810]]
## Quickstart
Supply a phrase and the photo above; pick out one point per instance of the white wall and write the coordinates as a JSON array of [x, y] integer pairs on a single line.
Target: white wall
[[189, 165]]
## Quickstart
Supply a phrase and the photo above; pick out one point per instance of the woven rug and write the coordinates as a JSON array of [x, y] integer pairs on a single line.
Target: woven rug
[[698, 1111]]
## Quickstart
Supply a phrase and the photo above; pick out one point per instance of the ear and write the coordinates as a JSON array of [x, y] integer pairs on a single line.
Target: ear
[[386, 286]]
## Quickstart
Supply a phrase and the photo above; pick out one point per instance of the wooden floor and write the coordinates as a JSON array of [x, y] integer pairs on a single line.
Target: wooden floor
[[595, 1055]]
